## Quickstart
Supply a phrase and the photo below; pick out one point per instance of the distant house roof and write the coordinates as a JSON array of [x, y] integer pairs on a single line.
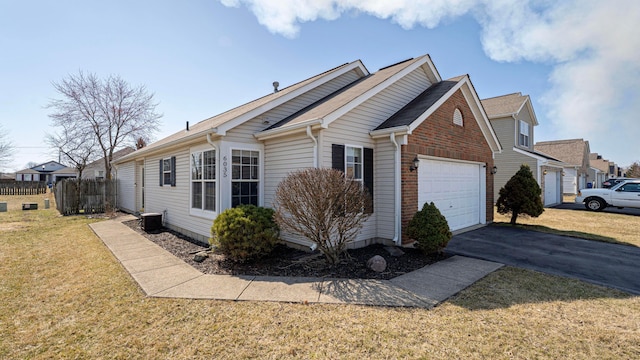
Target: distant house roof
[[507, 105], [116, 155], [28, 171], [570, 151], [66, 170]]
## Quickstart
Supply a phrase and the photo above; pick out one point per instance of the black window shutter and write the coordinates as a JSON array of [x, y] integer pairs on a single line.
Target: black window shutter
[[173, 171], [161, 174], [337, 157], [368, 174]]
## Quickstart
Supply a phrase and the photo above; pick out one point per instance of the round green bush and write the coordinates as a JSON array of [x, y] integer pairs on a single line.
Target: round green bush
[[245, 232], [429, 228]]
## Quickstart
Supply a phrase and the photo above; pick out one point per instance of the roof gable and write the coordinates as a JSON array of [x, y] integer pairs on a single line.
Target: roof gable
[[335, 105], [509, 105], [417, 111]]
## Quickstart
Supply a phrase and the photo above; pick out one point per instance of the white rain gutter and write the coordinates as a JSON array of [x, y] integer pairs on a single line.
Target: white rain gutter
[[396, 190], [315, 146]]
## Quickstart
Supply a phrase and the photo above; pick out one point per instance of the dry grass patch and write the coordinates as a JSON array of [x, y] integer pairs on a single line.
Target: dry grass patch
[[600, 226], [63, 295]]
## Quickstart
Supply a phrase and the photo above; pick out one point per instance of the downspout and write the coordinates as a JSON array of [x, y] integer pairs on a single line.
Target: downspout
[[211, 141], [396, 190], [315, 146]]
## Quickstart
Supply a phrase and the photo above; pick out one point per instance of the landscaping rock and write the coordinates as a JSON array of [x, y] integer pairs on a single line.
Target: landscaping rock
[[199, 257], [394, 251], [377, 264]]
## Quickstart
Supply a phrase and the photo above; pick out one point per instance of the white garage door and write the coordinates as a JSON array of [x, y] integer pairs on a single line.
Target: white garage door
[[456, 188], [551, 188]]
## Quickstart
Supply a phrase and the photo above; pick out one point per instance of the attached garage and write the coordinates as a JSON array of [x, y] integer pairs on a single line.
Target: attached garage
[[457, 188]]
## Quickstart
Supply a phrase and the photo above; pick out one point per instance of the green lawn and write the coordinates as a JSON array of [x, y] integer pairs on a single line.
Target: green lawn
[[63, 295]]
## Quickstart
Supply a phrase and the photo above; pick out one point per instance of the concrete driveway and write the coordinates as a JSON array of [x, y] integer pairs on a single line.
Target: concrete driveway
[[611, 265]]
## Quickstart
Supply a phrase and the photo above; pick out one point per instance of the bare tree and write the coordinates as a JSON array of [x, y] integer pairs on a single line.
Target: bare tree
[[77, 149], [323, 206], [111, 110], [634, 170], [6, 149]]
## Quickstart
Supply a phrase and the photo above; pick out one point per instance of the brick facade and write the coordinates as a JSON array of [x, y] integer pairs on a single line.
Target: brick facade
[[438, 136]]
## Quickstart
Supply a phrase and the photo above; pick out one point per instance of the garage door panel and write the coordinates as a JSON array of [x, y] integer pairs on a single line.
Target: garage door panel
[[454, 187]]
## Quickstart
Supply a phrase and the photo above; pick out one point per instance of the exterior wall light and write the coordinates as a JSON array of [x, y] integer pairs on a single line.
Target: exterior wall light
[[494, 169], [544, 172], [416, 163]]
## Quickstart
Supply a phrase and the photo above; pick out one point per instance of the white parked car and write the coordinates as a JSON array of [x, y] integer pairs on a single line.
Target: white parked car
[[621, 195]]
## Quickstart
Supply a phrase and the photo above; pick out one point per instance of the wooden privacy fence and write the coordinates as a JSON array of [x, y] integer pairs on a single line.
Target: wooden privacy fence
[[85, 196], [12, 187]]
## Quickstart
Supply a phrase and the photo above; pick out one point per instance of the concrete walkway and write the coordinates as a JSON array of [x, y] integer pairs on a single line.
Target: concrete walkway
[[161, 274]]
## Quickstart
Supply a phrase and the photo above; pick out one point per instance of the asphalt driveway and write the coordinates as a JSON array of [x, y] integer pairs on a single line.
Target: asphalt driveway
[[611, 265]]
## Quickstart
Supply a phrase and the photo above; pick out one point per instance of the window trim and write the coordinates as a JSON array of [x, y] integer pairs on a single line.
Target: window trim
[[258, 181], [522, 136], [346, 163], [201, 212]]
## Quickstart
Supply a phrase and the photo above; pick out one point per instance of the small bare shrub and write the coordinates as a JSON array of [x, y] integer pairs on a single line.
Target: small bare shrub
[[323, 206]]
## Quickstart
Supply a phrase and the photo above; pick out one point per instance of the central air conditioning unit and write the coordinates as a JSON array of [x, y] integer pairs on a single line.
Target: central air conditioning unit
[[151, 221]]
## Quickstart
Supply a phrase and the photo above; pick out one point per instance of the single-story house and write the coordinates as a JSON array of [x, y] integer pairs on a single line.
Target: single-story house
[[514, 122], [404, 132], [96, 169], [49, 172], [575, 154]]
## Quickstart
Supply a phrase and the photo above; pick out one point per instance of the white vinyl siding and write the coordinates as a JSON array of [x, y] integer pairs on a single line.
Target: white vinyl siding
[[174, 200], [126, 183], [284, 155], [384, 182], [354, 128]]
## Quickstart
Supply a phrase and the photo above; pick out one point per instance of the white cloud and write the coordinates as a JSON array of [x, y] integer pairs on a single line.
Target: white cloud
[[593, 47]]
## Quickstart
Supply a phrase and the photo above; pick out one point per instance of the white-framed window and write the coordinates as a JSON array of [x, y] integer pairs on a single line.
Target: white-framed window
[[523, 138], [245, 177], [203, 180], [353, 162], [457, 117], [166, 171]]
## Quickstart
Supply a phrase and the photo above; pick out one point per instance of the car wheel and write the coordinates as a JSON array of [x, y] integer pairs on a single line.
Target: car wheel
[[595, 204]]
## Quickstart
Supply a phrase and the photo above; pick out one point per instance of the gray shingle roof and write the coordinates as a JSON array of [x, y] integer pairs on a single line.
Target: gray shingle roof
[[571, 151], [234, 113], [410, 112], [333, 102], [503, 105]]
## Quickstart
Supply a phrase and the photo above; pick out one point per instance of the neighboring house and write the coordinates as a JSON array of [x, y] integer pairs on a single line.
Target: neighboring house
[[49, 172], [97, 170], [514, 121], [599, 168], [372, 126], [575, 154]]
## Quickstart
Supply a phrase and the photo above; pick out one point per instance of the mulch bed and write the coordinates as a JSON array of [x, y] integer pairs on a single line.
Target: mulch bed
[[286, 261]]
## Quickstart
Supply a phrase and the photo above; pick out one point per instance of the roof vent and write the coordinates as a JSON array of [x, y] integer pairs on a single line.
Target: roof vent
[[187, 126], [275, 86]]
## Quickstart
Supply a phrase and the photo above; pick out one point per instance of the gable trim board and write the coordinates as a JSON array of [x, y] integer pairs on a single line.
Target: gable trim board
[[351, 114]]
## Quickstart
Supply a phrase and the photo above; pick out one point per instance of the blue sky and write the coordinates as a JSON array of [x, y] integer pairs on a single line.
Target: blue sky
[[579, 60]]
